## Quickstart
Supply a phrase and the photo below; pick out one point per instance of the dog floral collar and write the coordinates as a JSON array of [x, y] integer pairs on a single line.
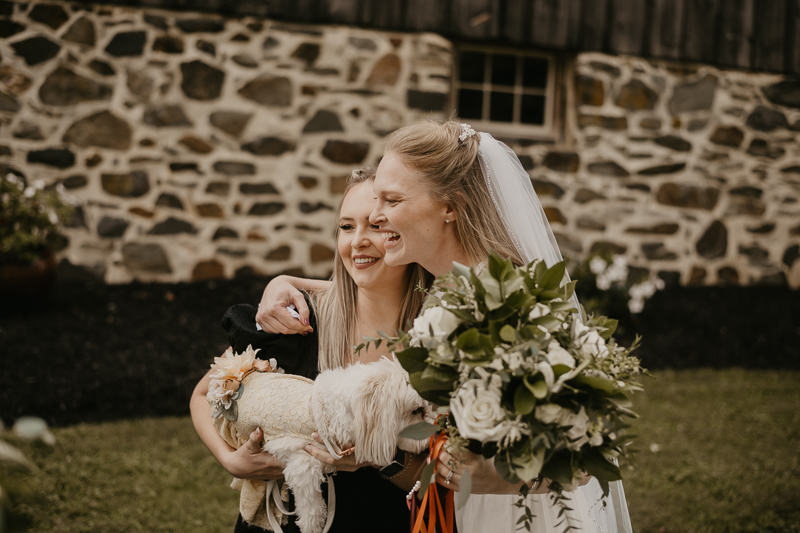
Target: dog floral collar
[[226, 384]]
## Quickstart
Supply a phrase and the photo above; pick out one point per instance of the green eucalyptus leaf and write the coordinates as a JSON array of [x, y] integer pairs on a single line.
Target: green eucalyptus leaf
[[531, 466], [443, 374], [413, 359], [464, 489], [524, 402], [492, 298], [595, 464], [611, 327], [513, 285], [539, 272], [469, 342], [502, 465], [552, 278], [422, 384], [602, 384], [538, 388], [426, 478], [508, 333], [461, 270], [418, 431], [559, 467]]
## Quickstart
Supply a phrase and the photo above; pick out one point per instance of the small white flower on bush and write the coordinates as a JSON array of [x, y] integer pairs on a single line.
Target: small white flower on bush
[[477, 410], [578, 423], [559, 356], [442, 322], [588, 342], [539, 310]]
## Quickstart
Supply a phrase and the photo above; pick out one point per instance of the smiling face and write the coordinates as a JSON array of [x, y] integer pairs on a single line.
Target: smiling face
[[360, 243], [413, 222]]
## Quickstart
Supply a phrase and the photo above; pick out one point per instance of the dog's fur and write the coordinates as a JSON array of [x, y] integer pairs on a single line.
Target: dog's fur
[[365, 405]]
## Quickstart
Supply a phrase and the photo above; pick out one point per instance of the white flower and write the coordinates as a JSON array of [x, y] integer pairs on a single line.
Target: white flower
[[547, 373], [603, 282], [558, 355], [597, 265], [548, 413], [477, 410], [514, 430], [231, 366], [274, 364], [578, 424], [217, 393], [442, 321], [538, 311], [514, 360], [589, 342]]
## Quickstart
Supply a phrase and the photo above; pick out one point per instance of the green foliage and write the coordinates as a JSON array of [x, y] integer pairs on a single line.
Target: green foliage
[[29, 220]]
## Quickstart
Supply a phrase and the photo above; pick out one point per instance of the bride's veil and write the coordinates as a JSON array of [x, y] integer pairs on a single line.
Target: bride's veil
[[525, 219]]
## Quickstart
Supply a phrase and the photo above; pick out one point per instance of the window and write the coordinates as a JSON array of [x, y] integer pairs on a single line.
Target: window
[[506, 92]]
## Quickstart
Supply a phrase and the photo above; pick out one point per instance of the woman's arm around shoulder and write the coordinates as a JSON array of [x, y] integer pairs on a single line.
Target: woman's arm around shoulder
[[281, 292]]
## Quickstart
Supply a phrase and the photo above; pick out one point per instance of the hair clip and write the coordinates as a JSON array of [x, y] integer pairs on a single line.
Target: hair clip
[[466, 132]]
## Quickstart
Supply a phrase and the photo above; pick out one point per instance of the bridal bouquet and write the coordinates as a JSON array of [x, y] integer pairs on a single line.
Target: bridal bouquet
[[520, 376]]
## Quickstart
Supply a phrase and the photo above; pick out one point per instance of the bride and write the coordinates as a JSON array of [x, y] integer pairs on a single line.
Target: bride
[[447, 193]]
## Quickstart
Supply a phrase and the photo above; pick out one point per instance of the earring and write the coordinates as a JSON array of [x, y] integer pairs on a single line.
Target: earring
[[447, 221]]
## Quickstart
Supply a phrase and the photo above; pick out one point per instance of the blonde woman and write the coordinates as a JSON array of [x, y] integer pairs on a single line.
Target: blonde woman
[[364, 295], [446, 193]]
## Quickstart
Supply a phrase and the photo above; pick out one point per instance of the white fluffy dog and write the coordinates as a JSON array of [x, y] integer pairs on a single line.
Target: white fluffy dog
[[362, 405]]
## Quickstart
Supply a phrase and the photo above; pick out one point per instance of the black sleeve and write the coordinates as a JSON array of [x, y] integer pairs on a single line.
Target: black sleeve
[[296, 354]]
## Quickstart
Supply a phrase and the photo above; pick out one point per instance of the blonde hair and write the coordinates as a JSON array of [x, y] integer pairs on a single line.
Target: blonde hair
[[336, 308], [453, 175]]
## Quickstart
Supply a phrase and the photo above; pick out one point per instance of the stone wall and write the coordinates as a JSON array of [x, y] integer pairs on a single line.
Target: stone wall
[[202, 147], [198, 146]]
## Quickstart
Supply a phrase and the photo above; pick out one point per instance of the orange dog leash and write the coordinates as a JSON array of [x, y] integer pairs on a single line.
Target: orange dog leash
[[432, 501]]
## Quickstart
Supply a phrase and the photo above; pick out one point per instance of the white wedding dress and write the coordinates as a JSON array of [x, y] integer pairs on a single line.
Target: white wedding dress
[[524, 218]]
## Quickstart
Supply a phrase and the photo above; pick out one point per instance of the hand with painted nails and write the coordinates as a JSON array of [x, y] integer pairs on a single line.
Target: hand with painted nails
[[250, 462], [273, 314]]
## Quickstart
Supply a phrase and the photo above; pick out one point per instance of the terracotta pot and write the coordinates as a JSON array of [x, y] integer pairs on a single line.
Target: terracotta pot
[[28, 283]]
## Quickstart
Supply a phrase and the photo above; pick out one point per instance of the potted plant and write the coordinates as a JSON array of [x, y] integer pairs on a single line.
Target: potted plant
[[29, 220]]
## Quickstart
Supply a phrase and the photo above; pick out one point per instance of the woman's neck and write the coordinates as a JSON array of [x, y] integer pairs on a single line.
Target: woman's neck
[[378, 310], [442, 263]]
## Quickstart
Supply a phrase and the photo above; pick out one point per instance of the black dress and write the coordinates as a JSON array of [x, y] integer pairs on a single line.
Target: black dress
[[365, 502]]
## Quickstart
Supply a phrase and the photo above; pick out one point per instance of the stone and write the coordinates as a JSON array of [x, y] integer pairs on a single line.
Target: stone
[[269, 146], [590, 224], [102, 129], [81, 32], [63, 87], [101, 67], [131, 185], [308, 182], [183, 167], [207, 47], [679, 195], [762, 229], [650, 123], [774, 278], [266, 208], [611, 70], [173, 226], [5, 150], [323, 121], [244, 60], [727, 136], [590, 91], [77, 219], [568, 244], [664, 228], [756, 255], [670, 278], [307, 207], [156, 21], [795, 230], [26, 130], [658, 252], [165, 116], [254, 235], [94, 160], [240, 38], [697, 275], [791, 255], [554, 215], [696, 124], [386, 71], [201, 81], [425, 100], [562, 161], [127, 44], [607, 168], [269, 91], [8, 103], [308, 52], [526, 161], [608, 123], [210, 210], [52, 157], [230, 122], [196, 144], [112, 227], [320, 253], [585, 195], [714, 242], [281, 253], [636, 95], [9, 28], [662, 169], [224, 233], [791, 169], [201, 25], [218, 188], [270, 43], [52, 15], [747, 191], [338, 184], [728, 276], [766, 119], [139, 84], [257, 188], [211, 269], [745, 206], [785, 93], [232, 252], [761, 148], [234, 168], [346, 153], [694, 96], [166, 199], [547, 189], [74, 182], [145, 257], [168, 44], [363, 44], [674, 142], [35, 50]]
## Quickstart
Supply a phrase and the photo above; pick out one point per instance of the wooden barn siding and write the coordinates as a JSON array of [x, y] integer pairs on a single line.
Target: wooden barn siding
[[747, 34]]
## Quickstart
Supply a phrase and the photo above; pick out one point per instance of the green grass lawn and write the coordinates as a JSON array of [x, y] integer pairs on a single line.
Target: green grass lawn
[[717, 451]]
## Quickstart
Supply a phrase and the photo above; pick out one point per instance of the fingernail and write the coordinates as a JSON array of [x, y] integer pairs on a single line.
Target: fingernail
[[305, 322], [308, 448], [315, 435]]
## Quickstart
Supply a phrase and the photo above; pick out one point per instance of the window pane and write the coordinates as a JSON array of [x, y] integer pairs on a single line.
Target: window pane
[[471, 66], [534, 72], [501, 108], [470, 103], [532, 111], [504, 70]]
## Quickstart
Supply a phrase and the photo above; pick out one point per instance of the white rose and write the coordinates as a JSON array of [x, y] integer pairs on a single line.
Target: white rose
[[559, 356], [442, 321], [538, 311], [477, 411], [548, 413], [514, 360], [578, 424], [589, 342]]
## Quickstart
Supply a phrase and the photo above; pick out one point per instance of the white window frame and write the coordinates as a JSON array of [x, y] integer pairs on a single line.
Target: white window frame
[[546, 131]]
